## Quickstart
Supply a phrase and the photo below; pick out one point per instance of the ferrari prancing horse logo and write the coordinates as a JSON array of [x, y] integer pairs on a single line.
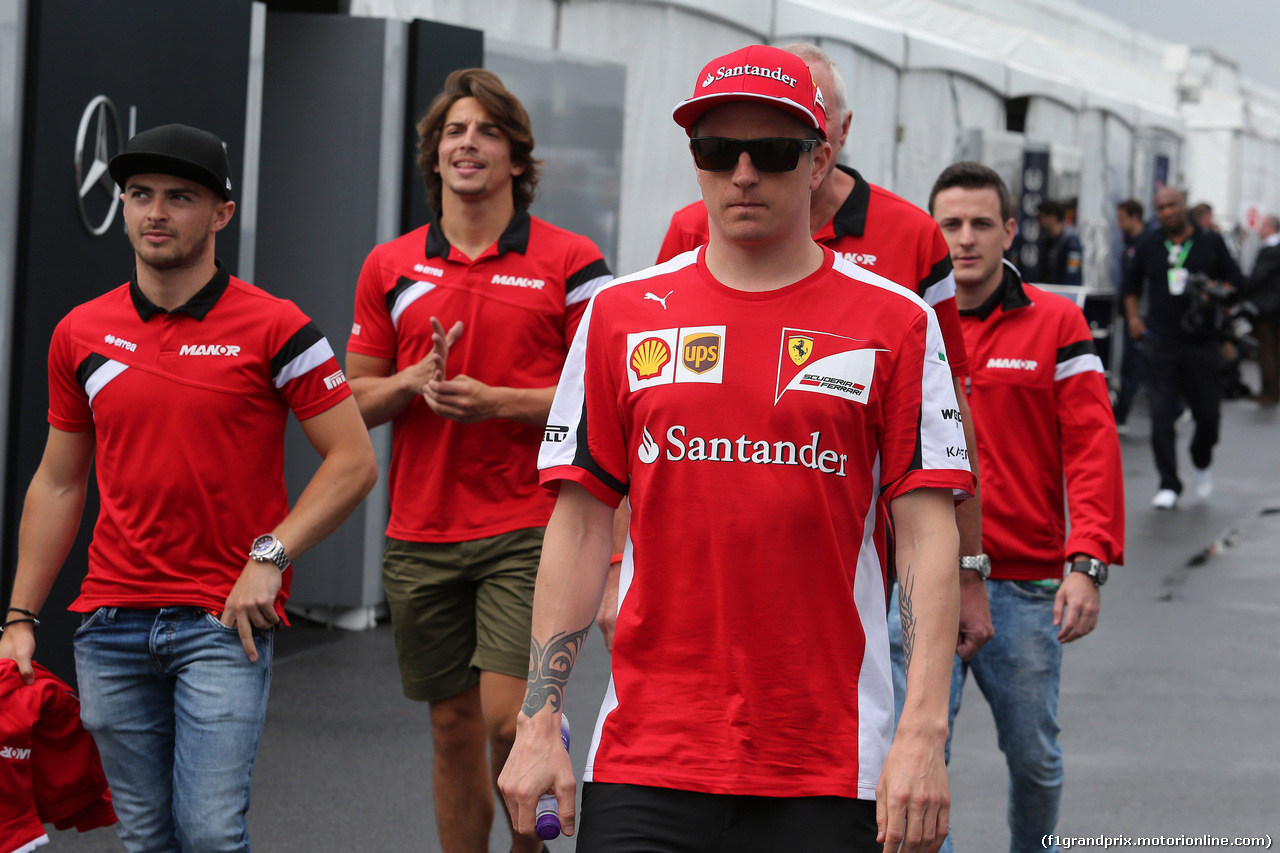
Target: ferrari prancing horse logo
[[799, 348]]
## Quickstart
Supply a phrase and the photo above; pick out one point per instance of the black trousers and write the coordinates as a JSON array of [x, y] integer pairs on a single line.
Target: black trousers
[[1268, 335], [1174, 368], [639, 819]]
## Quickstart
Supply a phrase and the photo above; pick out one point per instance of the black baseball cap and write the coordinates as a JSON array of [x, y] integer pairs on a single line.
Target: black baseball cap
[[178, 150]]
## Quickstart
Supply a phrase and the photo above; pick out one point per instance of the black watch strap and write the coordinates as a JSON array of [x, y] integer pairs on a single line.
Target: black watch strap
[[1094, 568]]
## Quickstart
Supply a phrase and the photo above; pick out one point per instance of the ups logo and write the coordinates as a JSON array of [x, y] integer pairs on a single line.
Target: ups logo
[[700, 352]]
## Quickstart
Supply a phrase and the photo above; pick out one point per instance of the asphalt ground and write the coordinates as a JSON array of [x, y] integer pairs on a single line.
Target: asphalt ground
[[1168, 710]]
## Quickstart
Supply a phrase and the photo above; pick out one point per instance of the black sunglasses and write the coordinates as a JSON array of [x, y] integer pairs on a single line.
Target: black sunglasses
[[771, 154]]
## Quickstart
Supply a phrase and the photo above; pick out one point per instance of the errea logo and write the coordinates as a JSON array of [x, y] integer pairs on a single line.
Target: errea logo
[[209, 349], [15, 752], [113, 341], [517, 281], [426, 270], [1012, 363]]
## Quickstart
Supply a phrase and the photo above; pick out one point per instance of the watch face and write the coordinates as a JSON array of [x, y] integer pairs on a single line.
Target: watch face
[[263, 544]]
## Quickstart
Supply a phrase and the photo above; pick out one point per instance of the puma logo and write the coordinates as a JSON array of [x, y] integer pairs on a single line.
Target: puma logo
[[662, 300]]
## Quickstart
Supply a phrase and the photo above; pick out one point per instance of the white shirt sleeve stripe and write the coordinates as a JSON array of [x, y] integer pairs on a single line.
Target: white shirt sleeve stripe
[[100, 377], [940, 291], [412, 293], [1080, 364], [587, 290], [314, 356]]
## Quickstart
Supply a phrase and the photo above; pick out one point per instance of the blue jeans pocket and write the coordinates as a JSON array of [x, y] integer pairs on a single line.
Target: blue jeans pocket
[[216, 623], [88, 620]]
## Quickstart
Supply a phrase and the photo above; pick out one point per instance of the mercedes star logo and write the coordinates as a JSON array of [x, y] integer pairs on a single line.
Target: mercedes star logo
[[107, 142]]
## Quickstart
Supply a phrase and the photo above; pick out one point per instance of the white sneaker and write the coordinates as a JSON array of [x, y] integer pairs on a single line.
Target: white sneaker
[[1182, 419], [1204, 484], [1165, 499]]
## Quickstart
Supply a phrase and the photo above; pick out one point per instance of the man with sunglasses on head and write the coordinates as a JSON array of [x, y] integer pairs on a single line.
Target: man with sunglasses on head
[[888, 235], [751, 401]]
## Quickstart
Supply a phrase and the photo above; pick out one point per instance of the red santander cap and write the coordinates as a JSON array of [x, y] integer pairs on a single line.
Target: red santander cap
[[759, 73]]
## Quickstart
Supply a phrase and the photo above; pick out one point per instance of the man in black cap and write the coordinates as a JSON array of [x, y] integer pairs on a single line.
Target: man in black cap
[[178, 386]]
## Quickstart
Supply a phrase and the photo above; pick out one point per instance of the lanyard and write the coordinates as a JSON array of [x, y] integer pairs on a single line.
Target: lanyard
[[1176, 258]]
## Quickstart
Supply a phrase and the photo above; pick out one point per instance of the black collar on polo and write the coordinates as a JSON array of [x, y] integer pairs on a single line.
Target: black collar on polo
[[1010, 295], [851, 218], [514, 239], [197, 306]]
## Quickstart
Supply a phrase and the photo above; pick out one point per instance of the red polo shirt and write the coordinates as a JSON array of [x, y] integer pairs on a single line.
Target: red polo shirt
[[189, 410], [519, 302]]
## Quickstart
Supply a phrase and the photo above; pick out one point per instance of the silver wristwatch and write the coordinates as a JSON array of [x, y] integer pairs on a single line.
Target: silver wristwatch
[[979, 563], [1094, 568], [268, 549]]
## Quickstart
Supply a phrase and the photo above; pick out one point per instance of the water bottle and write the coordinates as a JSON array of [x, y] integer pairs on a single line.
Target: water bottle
[[547, 822]]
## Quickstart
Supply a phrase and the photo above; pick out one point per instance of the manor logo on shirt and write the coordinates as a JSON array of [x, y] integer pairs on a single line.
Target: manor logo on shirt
[[1012, 364], [862, 259], [517, 281], [685, 354], [209, 349]]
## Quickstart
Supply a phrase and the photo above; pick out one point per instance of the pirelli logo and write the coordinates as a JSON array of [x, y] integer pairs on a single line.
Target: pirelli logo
[[333, 380]]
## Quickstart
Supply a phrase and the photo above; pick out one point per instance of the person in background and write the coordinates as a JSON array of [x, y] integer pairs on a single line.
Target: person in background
[[1055, 493], [1061, 256], [1131, 225], [461, 329], [1264, 292]]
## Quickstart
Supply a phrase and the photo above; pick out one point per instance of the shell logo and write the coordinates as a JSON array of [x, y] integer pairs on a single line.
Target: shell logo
[[649, 357]]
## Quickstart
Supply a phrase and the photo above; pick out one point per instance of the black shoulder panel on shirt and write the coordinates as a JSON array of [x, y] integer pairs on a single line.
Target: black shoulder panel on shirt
[[937, 273], [591, 271], [403, 284], [1076, 349], [582, 458], [88, 367], [301, 341]]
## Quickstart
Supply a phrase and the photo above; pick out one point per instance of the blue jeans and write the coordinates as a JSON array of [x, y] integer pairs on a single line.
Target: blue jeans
[[176, 709], [1017, 672]]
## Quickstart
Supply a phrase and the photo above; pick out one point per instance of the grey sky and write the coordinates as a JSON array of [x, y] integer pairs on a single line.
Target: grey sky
[[1247, 31]]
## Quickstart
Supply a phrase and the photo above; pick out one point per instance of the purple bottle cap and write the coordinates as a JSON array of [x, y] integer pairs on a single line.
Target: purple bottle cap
[[548, 826]]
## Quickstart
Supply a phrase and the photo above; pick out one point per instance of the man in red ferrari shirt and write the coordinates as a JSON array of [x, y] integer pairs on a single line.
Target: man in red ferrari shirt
[[888, 235], [753, 401]]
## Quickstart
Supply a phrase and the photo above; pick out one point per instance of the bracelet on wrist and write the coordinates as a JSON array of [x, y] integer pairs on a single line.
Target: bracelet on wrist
[[23, 612], [616, 558], [35, 623]]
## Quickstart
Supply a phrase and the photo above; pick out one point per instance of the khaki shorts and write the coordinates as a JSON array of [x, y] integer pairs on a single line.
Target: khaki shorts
[[461, 607]]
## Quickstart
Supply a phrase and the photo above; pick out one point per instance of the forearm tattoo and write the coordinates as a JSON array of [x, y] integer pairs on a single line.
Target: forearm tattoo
[[549, 668], [906, 583]]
